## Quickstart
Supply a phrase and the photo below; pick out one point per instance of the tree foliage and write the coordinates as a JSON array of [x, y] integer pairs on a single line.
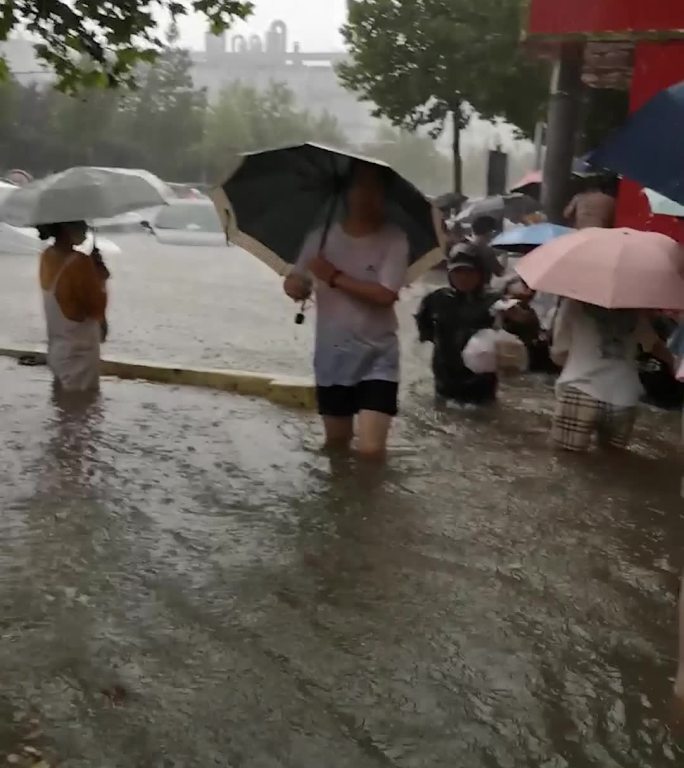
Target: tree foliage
[[415, 157], [164, 125], [419, 61], [245, 119], [93, 43]]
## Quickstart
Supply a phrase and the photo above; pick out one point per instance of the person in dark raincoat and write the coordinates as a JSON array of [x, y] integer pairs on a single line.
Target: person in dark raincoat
[[449, 317], [485, 229]]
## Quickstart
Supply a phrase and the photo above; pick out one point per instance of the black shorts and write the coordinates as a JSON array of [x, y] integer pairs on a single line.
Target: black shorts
[[344, 402]]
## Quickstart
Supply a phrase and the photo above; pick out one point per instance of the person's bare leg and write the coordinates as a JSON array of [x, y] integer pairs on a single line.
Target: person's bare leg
[[372, 433], [339, 432], [679, 682]]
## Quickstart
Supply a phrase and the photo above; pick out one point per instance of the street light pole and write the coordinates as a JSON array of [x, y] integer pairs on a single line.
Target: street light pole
[[564, 108]]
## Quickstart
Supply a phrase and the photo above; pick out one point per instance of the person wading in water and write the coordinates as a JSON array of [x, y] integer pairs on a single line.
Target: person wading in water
[[358, 277], [75, 300]]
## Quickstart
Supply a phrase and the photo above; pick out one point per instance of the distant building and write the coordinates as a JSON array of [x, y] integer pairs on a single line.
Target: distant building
[[254, 61], [310, 76]]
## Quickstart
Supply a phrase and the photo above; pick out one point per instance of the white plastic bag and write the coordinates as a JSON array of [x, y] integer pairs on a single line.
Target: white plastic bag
[[511, 353], [492, 350], [479, 354]]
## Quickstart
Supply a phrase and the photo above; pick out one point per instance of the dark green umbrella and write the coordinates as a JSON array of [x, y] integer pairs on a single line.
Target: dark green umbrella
[[276, 197]]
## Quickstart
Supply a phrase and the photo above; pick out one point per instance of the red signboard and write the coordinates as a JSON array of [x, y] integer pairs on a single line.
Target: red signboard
[[595, 17]]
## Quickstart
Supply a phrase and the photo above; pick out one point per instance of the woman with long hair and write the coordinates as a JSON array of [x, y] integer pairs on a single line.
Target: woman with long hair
[[75, 300]]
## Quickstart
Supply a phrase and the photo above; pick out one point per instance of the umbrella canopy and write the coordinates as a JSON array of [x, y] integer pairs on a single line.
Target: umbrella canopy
[[649, 149], [513, 207], [524, 238], [530, 184], [612, 268], [582, 168], [84, 193], [449, 201], [663, 206], [277, 197]]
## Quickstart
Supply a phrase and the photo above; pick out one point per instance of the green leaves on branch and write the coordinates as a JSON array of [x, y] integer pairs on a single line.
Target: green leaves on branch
[[420, 60], [93, 43]]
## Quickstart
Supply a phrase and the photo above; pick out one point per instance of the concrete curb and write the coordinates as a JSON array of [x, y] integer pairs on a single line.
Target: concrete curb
[[289, 391]]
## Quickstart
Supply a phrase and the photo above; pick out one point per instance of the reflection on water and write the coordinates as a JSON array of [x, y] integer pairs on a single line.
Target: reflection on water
[[479, 602], [74, 438]]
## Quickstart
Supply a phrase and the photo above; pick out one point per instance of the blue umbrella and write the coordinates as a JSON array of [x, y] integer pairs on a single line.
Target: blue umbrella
[[649, 148], [525, 238], [582, 168]]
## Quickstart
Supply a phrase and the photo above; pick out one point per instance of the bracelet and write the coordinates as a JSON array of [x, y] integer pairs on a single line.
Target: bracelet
[[333, 280]]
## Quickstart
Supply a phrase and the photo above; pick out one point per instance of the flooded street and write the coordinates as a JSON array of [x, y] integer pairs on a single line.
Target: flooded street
[[186, 581]]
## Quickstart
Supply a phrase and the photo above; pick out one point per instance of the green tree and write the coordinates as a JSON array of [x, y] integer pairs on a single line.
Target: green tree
[[163, 118], [420, 61], [414, 157], [124, 126], [9, 104], [244, 119], [80, 127], [101, 42], [164, 125], [32, 145]]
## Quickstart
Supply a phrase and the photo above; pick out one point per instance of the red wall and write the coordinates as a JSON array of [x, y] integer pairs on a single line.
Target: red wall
[[657, 66], [563, 17]]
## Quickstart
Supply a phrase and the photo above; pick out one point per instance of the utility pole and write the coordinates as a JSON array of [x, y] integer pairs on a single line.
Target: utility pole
[[563, 121], [539, 137], [456, 151]]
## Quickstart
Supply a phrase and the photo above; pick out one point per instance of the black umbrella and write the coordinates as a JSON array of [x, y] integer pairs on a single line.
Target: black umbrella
[[277, 197]]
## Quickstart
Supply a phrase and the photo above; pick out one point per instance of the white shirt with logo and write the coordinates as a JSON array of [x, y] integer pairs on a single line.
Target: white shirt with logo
[[357, 341]]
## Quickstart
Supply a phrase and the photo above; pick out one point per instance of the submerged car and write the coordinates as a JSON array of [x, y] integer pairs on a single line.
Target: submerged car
[[188, 222]]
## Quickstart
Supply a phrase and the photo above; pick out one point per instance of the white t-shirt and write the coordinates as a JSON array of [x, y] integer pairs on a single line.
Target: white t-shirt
[[355, 340], [601, 357]]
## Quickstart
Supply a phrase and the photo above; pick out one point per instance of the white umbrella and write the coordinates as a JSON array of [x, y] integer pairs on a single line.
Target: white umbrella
[[83, 194], [663, 206]]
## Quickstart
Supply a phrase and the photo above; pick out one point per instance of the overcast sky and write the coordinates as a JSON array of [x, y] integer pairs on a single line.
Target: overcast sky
[[313, 23]]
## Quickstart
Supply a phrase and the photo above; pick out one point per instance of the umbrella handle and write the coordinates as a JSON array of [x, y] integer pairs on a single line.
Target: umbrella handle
[[300, 317]]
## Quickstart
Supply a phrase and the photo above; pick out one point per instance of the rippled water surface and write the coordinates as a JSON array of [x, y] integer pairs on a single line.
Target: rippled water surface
[[186, 581]]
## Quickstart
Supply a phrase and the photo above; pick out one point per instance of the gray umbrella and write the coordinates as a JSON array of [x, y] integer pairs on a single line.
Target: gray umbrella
[[277, 197], [512, 206], [83, 193]]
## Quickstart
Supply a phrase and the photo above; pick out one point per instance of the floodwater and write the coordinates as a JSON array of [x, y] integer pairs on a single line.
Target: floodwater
[[186, 581]]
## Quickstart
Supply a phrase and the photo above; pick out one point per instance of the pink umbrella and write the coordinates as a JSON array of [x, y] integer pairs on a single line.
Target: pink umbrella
[[612, 268], [530, 184]]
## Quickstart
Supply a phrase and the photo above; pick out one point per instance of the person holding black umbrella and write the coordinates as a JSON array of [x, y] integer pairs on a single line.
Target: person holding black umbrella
[[358, 275]]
